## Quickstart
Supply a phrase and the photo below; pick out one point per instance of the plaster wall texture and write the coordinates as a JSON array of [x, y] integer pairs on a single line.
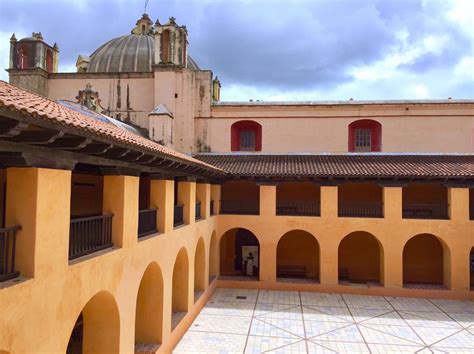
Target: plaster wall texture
[[285, 129]]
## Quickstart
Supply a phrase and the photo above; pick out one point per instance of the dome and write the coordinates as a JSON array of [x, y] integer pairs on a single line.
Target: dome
[[132, 53]]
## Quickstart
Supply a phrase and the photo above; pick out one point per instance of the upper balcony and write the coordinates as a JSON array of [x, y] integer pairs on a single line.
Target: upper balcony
[[360, 200], [425, 201], [298, 199], [240, 198]]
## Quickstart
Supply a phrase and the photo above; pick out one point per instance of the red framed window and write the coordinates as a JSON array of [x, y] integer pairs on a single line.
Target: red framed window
[[365, 135], [246, 135]]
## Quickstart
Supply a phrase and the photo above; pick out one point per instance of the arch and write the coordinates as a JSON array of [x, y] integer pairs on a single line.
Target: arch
[[199, 269], [97, 329], [149, 307], [246, 135], [180, 290], [298, 255], [425, 261], [360, 258], [365, 135], [213, 258], [239, 253]]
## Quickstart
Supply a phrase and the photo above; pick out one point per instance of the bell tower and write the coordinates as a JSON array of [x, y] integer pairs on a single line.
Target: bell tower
[[31, 61], [171, 43]]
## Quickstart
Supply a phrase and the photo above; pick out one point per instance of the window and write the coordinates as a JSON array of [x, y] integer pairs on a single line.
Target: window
[[365, 135], [363, 139], [23, 62], [246, 135]]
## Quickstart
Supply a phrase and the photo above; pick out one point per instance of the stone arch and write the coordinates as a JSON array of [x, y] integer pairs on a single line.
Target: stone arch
[[97, 329], [149, 307], [426, 261], [235, 247], [360, 258], [180, 290], [213, 257], [199, 269], [298, 255]]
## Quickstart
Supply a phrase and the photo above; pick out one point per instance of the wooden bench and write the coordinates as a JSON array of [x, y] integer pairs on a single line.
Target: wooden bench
[[291, 271]]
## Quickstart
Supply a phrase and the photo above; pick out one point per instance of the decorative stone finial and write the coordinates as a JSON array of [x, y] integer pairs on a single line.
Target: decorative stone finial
[[172, 20], [37, 35], [13, 38], [90, 98]]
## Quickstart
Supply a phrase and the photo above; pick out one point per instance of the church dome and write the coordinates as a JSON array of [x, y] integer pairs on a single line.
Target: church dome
[[132, 53], [129, 54]]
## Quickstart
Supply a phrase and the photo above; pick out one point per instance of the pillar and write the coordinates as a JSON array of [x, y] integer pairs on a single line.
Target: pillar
[[458, 201], [328, 258], [267, 260], [267, 200], [203, 195], [392, 200], [187, 198], [329, 202], [162, 198], [121, 199], [216, 197], [38, 200]]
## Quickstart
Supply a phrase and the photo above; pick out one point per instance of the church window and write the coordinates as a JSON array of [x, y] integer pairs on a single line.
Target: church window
[[246, 136], [365, 135]]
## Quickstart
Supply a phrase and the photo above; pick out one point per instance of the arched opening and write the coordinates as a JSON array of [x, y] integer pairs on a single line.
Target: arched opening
[[97, 329], [246, 135], [213, 254], [149, 309], [165, 47], [423, 262], [365, 135], [23, 59], [199, 270], [360, 257], [239, 254], [298, 257], [49, 61], [180, 288], [471, 268]]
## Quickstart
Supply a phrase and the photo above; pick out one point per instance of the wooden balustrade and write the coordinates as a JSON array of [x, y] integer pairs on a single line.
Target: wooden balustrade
[[178, 215], [89, 235], [360, 209], [298, 208], [198, 211], [425, 211], [147, 222], [7, 253], [211, 207], [240, 207]]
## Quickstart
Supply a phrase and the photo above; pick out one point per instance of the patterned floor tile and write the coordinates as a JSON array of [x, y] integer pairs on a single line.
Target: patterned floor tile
[[460, 340], [394, 348], [296, 348], [278, 311], [412, 304], [330, 314], [431, 335], [343, 347], [261, 328], [314, 348], [315, 328], [235, 295], [229, 308], [384, 334], [202, 342], [375, 316], [294, 327], [322, 299], [259, 344], [464, 319], [279, 297], [346, 334], [366, 302], [221, 324], [465, 306], [428, 319]]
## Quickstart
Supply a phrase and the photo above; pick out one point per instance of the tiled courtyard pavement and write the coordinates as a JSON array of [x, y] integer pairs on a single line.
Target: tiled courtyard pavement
[[253, 321]]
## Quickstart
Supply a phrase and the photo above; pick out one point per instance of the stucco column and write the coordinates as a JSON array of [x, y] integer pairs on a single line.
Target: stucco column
[[121, 199], [203, 195], [167, 304], [392, 200], [162, 198], [267, 200], [391, 260], [456, 262], [458, 201], [216, 197], [329, 208], [187, 198], [38, 200], [267, 261], [328, 253]]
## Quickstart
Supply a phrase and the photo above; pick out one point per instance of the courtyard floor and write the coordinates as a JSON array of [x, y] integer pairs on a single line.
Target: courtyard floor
[[253, 321]]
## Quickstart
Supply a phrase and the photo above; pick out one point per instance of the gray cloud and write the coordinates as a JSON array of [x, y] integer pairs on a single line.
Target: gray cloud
[[278, 45]]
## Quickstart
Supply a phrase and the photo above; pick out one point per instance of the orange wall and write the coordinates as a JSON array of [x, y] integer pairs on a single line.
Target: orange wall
[[227, 253], [299, 248], [359, 253], [423, 260]]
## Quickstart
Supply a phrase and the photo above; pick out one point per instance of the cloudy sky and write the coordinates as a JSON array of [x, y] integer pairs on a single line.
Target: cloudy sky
[[282, 49]]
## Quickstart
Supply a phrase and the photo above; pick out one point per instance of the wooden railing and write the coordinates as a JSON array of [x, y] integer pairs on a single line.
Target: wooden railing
[[147, 222], [198, 211], [178, 215], [240, 207], [298, 207], [89, 235], [7, 253], [425, 211], [360, 209], [211, 207]]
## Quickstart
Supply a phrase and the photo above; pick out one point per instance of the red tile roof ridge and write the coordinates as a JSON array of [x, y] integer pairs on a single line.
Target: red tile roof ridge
[[27, 102]]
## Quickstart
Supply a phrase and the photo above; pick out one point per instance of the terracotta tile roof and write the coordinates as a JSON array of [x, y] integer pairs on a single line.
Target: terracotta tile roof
[[344, 165], [26, 102]]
